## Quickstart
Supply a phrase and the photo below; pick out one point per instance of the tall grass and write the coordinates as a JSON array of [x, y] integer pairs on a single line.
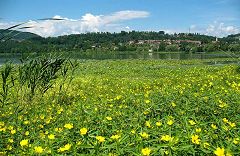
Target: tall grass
[[34, 76]]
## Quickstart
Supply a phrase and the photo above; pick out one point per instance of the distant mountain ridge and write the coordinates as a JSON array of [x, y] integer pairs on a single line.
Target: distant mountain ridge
[[17, 35]]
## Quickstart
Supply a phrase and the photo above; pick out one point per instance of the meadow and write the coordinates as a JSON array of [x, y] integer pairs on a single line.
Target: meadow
[[120, 107]]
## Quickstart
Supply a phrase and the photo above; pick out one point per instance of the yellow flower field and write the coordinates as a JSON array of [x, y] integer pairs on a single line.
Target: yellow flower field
[[128, 107]]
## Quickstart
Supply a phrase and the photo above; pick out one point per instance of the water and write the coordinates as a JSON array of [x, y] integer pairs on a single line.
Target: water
[[162, 56], [10, 58], [132, 55]]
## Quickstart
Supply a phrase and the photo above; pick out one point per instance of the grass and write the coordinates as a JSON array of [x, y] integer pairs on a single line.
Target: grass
[[127, 107]]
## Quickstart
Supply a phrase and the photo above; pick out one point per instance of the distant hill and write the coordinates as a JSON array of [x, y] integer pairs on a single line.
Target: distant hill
[[17, 35], [234, 36], [139, 41]]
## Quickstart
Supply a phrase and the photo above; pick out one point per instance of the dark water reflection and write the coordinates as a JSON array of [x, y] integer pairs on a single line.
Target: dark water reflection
[[128, 55], [162, 56]]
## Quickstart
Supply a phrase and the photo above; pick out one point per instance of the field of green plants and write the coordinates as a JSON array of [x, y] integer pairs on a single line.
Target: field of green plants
[[120, 107]]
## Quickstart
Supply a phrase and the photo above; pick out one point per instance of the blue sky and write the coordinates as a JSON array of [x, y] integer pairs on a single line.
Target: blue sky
[[213, 17]]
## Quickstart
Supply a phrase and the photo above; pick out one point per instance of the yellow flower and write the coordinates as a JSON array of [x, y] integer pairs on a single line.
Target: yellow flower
[[144, 135], [10, 127], [60, 111], [61, 149], [133, 131], [51, 136], [100, 139], [206, 145], [166, 152], [173, 104], [111, 154], [65, 148], [78, 143], [115, 137], [38, 149], [146, 151], [166, 138], [236, 141], [2, 124], [219, 152], [10, 140], [198, 130], [109, 118], [9, 147], [225, 120], [13, 131], [170, 122], [119, 97], [213, 126], [26, 122], [192, 122], [48, 121], [231, 124], [42, 135], [68, 126], [83, 131], [27, 133], [147, 123], [3, 129], [195, 139], [158, 123], [146, 112], [147, 101], [222, 104], [24, 142], [42, 116], [58, 130]]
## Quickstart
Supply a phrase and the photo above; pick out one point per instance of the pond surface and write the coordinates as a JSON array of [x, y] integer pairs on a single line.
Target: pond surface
[[162, 56], [132, 55]]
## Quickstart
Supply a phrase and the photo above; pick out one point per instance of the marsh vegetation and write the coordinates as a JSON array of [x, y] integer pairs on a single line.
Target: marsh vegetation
[[122, 107]]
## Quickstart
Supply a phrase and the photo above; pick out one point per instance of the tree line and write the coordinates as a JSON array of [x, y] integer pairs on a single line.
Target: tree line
[[123, 41]]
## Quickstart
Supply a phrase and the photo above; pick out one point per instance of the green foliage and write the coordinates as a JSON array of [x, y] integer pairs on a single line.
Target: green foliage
[[172, 48], [129, 107], [16, 35], [162, 46], [40, 73], [234, 47], [7, 81], [124, 41], [100, 41], [211, 47]]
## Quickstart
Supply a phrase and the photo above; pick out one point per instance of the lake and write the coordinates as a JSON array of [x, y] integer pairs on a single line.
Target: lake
[[130, 55]]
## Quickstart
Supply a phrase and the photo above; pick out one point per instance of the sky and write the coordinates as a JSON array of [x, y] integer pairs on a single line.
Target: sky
[[210, 17]]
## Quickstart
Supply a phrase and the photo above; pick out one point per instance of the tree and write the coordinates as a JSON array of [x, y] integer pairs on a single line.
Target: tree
[[172, 48], [211, 47], [162, 46], [234, 47]]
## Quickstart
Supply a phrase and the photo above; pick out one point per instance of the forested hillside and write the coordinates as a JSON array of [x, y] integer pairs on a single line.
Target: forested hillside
[[22, 42]]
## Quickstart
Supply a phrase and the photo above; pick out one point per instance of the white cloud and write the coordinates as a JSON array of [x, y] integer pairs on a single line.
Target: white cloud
[[221, 29], [215, 29], [125, 15], [87, 23]]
